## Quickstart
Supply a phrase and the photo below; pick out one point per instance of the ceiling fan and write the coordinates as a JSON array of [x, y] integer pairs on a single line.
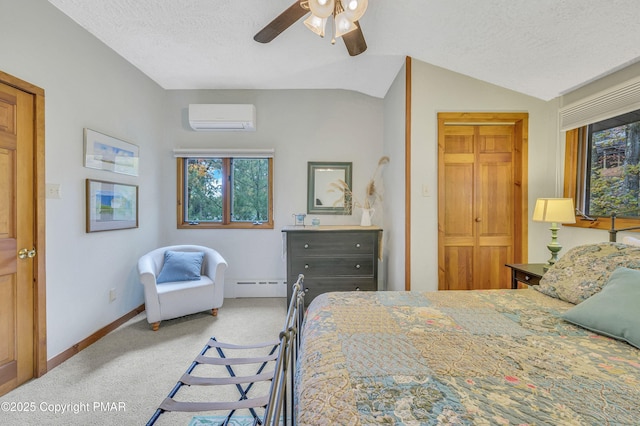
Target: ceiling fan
[[343, 14]]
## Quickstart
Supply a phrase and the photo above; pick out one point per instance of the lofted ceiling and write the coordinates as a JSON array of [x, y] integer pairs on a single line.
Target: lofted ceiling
[[542, 48]]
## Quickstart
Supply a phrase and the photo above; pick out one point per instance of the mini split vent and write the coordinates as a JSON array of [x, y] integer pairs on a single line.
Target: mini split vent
[[222, 117]]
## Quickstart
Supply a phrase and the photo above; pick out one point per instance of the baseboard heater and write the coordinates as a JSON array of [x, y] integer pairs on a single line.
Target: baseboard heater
[[260, 288]]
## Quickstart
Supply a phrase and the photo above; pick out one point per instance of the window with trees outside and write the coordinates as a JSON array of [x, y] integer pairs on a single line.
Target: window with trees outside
[[603, 162], [225, 192]]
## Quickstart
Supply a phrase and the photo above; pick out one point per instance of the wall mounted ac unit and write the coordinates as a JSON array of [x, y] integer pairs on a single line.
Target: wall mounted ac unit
[[220, 117]]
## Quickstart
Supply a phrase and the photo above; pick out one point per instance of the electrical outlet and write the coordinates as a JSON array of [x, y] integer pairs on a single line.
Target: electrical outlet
[[112, 295]]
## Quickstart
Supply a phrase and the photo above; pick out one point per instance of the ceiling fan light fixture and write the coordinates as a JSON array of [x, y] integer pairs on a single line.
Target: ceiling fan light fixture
[[343, 25], [355, 8], [322, 8], [316, 24], [321, 11]]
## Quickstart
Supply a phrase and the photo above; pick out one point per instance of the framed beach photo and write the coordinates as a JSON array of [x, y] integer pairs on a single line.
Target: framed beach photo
[[111, 206], [105, 152]]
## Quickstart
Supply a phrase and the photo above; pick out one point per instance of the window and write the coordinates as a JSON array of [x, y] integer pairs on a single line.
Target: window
[[225, 192], [602, 168]]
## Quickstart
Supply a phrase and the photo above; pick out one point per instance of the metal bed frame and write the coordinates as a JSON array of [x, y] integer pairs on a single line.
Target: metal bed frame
[[281, 395], [278, 403], [613, 232]]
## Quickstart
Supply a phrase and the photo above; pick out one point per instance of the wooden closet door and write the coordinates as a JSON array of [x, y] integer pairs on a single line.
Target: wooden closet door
[[477, 199], [457, 210], [495, 206]]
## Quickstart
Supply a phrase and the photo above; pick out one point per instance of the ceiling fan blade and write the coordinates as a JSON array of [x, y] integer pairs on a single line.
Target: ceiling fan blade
[[354, 41], [281, 23]]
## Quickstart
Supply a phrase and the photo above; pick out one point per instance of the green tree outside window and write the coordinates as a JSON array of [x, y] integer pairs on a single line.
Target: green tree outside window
[[613, 184], [225, 192]]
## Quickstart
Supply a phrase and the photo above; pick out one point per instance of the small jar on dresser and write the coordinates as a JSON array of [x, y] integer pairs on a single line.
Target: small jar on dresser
[[332, 258]]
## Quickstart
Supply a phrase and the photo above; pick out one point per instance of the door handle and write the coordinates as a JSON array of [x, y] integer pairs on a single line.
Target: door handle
[[25, 253]]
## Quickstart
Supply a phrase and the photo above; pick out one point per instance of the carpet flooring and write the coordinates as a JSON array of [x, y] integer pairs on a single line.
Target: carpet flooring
[[122, 378]]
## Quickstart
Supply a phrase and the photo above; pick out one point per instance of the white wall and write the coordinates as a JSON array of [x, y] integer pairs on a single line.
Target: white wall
[[86, 85], [393, 266], [302, 126], [437, 90]]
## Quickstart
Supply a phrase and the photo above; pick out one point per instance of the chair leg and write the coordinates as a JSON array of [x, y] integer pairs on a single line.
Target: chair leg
[[155, 326], [214, 312]]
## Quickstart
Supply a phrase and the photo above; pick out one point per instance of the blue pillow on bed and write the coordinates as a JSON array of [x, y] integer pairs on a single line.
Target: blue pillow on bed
[[180, 266], [614, 311]]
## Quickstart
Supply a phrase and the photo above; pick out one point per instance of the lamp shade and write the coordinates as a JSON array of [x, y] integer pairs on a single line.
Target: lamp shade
[[558, 210]]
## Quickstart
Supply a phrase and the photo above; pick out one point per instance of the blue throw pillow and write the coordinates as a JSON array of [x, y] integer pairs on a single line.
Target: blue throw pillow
[[180, 266], [614, 310]]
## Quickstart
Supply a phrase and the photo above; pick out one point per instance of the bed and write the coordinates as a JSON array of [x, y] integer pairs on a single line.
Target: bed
[[480, 357]]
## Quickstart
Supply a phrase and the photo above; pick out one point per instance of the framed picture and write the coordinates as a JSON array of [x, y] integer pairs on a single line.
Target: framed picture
[[111, 206], [108, 153]]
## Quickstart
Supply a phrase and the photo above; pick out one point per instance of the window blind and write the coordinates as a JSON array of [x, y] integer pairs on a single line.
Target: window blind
[[612, 102], [223, 153]]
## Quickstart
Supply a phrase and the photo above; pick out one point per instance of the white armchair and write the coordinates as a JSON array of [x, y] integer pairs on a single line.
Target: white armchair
[[178, 298]]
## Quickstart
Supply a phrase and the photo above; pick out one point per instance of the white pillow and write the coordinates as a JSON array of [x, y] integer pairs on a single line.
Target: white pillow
[[631, 241]]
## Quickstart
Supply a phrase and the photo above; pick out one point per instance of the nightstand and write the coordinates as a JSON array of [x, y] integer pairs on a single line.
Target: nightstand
[[526, 273]]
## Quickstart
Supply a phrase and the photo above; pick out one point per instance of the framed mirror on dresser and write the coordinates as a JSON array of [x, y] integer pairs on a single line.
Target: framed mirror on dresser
[[322, 196]]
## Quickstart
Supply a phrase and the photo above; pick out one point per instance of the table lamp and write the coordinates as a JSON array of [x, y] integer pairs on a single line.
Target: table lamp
[[555, 211]]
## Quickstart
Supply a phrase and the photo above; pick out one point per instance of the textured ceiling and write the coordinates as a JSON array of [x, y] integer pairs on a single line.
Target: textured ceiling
[[542, 48]]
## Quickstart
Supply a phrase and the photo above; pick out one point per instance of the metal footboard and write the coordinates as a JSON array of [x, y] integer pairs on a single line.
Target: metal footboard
[[280, 407]]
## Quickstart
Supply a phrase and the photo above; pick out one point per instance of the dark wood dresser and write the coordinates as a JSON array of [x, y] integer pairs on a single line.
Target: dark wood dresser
[[332, 258]]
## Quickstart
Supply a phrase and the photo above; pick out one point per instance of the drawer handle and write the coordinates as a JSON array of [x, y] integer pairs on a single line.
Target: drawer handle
[[306, 266], [357, 245], [306, 245], [527, 277], [357, 288], [357, 266]]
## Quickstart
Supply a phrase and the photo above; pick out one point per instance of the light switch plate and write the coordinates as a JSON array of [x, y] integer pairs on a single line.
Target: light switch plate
[[53, 191]]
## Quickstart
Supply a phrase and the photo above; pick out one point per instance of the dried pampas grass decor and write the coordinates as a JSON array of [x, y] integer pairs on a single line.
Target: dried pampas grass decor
[[373, 192]]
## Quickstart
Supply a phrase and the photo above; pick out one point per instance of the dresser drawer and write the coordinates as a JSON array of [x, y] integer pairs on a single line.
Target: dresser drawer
[[314, 286], [331, 243], [333, 266], [527, 278]]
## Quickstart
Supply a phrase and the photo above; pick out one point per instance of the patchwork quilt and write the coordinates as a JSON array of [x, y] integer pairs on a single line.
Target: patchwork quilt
[[499, 357]]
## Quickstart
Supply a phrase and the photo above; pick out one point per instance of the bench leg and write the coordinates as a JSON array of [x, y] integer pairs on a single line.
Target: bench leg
[[155, 326], [214, 312]]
